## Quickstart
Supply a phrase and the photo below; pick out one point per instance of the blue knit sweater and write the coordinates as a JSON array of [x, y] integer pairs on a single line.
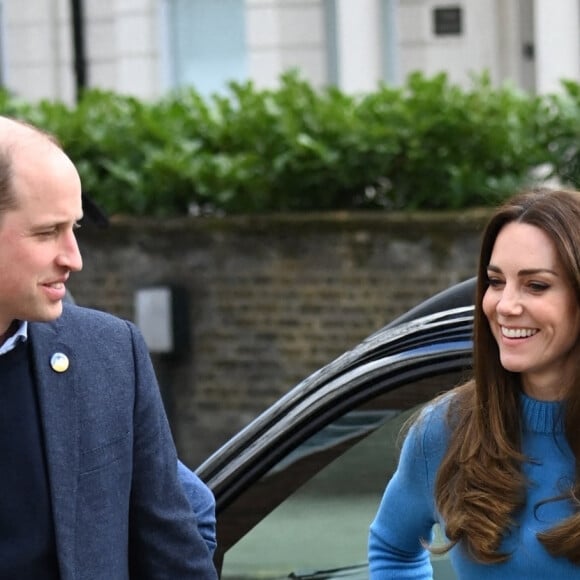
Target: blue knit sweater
[[407, 512]]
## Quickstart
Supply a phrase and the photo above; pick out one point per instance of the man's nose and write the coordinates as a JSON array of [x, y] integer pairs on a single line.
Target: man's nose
[[70, 254]]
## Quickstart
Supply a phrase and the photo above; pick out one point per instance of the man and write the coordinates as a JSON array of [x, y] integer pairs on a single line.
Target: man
[[90, 488], [200, 496]]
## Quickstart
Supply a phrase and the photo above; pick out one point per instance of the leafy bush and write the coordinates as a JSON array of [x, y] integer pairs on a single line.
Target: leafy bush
[[426, 145]]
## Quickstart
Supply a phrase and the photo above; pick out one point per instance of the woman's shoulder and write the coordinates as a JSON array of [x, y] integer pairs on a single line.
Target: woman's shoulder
[[431, 426], [427, 439]]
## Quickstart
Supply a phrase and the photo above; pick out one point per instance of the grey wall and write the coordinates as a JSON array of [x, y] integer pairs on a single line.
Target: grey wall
[[269, 299]]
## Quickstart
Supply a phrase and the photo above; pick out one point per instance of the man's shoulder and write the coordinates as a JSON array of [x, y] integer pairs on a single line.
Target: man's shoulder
[[74, 312], [85, 323], [89, 333]]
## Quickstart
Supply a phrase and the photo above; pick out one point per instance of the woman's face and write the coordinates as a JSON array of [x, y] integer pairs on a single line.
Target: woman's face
[[532, 310]]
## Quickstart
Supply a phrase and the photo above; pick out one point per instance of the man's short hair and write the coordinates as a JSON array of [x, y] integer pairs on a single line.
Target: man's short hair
[[7, 194], [7, 198]]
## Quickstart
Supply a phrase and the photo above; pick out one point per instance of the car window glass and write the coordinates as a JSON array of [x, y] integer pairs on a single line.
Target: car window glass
[[324, 523]]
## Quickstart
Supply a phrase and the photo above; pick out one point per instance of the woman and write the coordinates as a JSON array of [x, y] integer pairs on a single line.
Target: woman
[[496, 461]]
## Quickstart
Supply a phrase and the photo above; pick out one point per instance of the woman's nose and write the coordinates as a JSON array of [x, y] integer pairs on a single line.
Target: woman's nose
[[509, 302]]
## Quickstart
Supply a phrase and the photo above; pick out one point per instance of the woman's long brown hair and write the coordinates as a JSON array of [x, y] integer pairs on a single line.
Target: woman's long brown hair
[[480, 484]]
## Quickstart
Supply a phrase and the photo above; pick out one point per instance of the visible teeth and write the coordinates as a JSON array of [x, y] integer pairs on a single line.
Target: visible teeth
[[57, 285], [518, 332]]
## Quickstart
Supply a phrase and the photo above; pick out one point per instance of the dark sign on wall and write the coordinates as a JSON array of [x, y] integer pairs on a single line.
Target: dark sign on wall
[[447, 21]]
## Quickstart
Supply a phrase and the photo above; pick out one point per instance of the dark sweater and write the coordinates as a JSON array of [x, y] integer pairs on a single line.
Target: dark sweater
[[27, 546]]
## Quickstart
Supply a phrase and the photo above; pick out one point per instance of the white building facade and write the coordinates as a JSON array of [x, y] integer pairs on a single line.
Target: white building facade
[[50, 48]]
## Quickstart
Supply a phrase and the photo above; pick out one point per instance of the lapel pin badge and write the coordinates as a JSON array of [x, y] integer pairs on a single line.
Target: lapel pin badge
[[59, 362]]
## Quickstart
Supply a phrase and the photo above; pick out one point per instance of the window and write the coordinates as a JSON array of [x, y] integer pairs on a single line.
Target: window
[[326, 493], [206, 43]]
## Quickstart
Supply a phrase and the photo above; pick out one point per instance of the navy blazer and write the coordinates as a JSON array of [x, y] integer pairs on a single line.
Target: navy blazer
[[119, 510]]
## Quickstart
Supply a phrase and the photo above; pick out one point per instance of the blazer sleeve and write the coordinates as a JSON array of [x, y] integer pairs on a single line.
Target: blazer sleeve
[[164, 540]]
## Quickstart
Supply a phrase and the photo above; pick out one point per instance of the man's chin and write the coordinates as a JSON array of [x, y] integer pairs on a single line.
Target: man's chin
[[48, 313], [56, 310]]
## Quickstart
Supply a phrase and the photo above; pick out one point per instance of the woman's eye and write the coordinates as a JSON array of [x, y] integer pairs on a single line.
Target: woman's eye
[[538, 286], [494, 282]]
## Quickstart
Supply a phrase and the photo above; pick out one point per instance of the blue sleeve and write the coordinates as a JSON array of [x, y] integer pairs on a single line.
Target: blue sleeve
[[406, 514], [202, 502]]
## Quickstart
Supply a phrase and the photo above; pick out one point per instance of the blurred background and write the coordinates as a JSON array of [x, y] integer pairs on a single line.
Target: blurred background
[[281, 178], [53, 48]]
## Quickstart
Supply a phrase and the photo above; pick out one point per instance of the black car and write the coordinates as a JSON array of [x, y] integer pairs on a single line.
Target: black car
[[296, 489]]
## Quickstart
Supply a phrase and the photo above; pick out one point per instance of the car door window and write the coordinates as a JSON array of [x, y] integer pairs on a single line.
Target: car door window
[[323, 524]]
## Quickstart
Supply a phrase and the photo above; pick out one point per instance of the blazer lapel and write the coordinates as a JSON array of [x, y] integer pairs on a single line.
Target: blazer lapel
[[59, 416]]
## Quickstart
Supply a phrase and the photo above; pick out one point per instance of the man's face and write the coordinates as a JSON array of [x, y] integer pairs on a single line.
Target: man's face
[[38, 247]]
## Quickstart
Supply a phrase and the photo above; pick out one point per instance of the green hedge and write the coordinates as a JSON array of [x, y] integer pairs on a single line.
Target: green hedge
[[428, 144]]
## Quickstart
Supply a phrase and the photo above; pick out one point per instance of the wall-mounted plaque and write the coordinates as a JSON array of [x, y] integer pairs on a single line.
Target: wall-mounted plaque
[[447, 21]]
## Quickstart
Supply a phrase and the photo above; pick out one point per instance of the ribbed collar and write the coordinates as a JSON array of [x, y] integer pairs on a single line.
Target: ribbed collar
[[542, 416]]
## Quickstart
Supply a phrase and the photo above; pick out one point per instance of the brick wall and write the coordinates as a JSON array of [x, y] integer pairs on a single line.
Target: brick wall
[[270, 299]]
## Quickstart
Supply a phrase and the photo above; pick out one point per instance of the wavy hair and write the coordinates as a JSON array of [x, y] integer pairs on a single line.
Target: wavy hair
[[480, 484]]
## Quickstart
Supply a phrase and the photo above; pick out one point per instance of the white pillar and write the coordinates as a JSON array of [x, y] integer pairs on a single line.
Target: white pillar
[[358, 41], [390, 49], [557, 43]]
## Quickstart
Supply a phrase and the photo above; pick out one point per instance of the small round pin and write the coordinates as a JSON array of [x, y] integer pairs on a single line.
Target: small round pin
[[59, 362]]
